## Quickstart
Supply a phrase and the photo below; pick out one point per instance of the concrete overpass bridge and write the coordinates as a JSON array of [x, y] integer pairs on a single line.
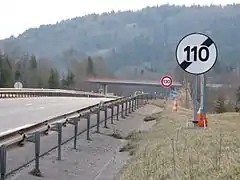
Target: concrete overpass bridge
[[104, 82]]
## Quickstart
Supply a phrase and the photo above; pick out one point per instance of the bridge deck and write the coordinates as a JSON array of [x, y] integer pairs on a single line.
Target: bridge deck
[[129, 82], [139, 82]]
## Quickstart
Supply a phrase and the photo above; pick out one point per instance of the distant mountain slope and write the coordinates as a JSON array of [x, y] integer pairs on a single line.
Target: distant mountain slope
[[132, 38]]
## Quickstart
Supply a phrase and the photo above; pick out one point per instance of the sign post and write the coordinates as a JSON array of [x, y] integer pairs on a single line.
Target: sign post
[[196, 53], [186, 92], [195, 102]]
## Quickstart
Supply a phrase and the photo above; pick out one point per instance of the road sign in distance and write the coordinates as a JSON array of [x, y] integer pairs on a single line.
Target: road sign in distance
[[166, 81], [18, 85], [196, 53]]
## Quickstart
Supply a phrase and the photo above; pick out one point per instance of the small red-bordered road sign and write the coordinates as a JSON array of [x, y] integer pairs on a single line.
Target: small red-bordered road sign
[[166, 81]]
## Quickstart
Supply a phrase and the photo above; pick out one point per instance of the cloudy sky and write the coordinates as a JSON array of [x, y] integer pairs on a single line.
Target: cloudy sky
[[18, 15]]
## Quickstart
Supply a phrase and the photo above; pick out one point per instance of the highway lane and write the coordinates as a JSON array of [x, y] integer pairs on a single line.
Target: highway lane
[[19, 112]]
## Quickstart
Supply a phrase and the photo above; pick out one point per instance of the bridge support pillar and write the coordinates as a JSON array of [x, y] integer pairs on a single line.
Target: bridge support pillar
[[104, 87]]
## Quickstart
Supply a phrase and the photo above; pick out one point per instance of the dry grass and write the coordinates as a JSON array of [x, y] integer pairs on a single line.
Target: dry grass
[[160, 103], [172, 151]]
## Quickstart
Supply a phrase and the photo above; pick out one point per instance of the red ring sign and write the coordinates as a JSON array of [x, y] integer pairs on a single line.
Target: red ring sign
[[166, 81]]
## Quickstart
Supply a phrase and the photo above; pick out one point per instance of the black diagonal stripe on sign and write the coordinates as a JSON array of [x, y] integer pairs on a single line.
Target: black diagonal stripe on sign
[[208, 42], [184, 65]]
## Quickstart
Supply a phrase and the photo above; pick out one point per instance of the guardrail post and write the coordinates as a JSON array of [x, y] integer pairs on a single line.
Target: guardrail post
[[122, 112], [98, 120], [136, 103], [105, 120], [75, 124], [133, 101], [117, 112], [37, 150], [59, 129], [3, 161], [141, 101], [75, 133], [126, 108], [129, 108], [36, 140], [112, 113], [88, 116]]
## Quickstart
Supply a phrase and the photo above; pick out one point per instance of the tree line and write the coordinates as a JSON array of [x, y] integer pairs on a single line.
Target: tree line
[[35, 73]]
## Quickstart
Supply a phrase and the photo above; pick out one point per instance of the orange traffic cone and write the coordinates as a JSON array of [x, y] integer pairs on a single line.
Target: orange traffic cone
[[175, 106], [202, 119]]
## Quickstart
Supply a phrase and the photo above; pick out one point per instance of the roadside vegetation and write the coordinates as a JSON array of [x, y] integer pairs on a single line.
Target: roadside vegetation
[[35, 72], [171, 150]]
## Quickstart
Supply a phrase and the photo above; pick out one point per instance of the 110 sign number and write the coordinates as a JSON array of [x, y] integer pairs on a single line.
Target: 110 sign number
[[197, 53]]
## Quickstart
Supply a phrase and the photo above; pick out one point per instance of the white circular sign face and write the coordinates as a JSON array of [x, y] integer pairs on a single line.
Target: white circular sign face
[[18, 85], [166, 81], [196, 53]]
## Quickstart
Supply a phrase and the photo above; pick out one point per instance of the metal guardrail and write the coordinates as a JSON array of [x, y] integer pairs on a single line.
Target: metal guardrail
[[33, 132], [31, 92]]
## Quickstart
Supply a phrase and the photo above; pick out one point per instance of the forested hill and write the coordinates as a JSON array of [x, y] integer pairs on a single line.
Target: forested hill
[[132, 39]]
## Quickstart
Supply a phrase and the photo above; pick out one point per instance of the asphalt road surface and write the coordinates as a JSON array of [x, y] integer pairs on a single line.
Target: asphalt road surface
[[15, 113]]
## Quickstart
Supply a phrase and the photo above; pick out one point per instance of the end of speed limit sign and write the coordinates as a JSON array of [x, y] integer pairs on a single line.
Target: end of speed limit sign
[[196, 53], [166, 81]]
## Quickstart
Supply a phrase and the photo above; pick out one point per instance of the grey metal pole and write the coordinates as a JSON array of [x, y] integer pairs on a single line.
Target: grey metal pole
[[195, 94], [126, 108], [133, 104], [75, 133], [3, 161], [98, 120], [37, 149], [201, 92], [59, 129], [186, 92], [112, 113], [137, 102], [166, 94], [203, 97], [204, 93], [88, 127], [105, 121], [118, 112], [129, 108], [37, 152], [122, 112]]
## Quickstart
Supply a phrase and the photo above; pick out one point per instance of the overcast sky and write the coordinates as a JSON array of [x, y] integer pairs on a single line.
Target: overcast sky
[[18, 15]]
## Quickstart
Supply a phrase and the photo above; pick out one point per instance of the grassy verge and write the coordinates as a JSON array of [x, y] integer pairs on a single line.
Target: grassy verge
[[170, 150]]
